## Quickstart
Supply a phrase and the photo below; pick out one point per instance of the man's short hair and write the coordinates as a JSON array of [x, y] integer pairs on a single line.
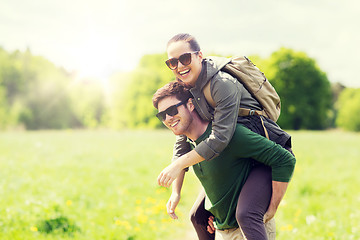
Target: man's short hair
[[178, 89]]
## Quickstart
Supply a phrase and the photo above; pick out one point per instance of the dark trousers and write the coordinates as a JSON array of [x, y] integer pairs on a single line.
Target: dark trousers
[[252, 204]]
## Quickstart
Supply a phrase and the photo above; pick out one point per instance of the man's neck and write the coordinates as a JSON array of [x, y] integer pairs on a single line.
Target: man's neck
[[197, 128]]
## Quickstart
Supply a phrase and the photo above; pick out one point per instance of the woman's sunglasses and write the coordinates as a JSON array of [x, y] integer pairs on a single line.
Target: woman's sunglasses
[[171, 111], [185, 60]]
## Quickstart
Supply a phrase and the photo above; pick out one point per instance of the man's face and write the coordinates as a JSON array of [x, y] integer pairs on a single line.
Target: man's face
[[180, 122], [189, 73]]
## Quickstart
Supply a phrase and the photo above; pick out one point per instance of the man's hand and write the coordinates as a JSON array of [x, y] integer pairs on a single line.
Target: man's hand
[[279, 189], [270, 213], [169, 174], [211, 228], [172, 204]]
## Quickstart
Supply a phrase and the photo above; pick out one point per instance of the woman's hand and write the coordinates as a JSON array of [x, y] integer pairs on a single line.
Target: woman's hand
[[168, 175], [211, 227]]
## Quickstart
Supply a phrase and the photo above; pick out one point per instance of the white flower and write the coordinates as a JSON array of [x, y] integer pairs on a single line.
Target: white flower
[[310, 219]]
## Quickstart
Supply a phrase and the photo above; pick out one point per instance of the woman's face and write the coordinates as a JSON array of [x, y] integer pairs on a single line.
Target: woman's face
[[188, 73]]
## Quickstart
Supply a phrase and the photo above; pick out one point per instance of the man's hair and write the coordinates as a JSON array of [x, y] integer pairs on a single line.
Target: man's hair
[[180, 90], [194, 45]]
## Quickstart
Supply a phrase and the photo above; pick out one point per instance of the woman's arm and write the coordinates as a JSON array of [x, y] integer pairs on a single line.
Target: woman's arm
[[171, 172], [226, 93]]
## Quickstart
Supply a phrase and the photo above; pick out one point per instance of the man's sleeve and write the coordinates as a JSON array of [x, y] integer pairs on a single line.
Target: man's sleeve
[[226, 94], [252, 145]]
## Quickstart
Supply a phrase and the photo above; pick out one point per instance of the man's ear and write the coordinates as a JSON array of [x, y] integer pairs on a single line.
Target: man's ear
[[190, 105]]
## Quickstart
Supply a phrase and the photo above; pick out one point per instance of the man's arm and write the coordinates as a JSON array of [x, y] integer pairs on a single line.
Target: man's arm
[[278, 192], [175, 195], [280, 160]]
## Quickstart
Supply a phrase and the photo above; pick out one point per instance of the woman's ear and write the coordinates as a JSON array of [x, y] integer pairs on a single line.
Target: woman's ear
[[200, 54]]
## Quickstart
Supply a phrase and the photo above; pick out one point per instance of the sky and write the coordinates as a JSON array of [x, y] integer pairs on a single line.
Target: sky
[[100, 38]]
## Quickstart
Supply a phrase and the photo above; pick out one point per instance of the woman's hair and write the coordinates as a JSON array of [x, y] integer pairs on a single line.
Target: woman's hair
[[178, 89], [194, 45]]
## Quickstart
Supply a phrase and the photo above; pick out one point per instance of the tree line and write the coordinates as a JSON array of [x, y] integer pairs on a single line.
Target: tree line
[[36, 94]]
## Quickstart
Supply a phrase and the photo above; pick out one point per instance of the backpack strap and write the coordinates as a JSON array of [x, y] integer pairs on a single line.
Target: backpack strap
[[207, 94], [265, 131], [247, 112]]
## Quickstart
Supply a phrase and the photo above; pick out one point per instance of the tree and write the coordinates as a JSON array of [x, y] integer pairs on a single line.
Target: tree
[[33, 92], [88, 103], [349, 109], [303, 88], [137, 109]]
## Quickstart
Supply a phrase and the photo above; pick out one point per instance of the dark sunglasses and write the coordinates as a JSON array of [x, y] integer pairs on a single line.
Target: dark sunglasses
[[185, 60], [171, 111]]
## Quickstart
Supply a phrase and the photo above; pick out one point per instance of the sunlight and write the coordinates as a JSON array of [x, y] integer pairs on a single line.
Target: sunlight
[[99, 57]]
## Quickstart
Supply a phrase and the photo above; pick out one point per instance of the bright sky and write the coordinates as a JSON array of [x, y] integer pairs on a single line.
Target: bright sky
[[98, 38]]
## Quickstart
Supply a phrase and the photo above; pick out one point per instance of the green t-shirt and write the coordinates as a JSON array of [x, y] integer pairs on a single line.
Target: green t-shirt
[[224, 176]]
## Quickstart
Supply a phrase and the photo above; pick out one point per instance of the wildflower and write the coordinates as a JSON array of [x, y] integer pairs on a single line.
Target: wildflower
[[142, 219], [124, 224], [160, 190], [68, 203], [34, 229], [151, 200], [288, 227]]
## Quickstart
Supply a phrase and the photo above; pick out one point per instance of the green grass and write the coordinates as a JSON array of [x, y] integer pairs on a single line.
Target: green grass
[[102, 185]]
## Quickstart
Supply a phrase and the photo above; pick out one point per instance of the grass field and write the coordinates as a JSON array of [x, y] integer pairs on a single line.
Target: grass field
[[102, 185]]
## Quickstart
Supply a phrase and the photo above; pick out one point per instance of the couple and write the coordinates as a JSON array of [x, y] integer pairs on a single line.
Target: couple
[[241, 189]]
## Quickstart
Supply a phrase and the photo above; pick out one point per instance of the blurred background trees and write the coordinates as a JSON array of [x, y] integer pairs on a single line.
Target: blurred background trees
[[348, 108], [36, 94], [304, 90]]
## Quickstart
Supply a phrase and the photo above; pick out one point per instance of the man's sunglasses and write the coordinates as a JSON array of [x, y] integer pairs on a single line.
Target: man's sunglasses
[[171, 111], [185, 60]]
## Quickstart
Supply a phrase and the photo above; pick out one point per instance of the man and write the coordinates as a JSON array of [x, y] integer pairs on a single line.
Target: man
[[224, 176]]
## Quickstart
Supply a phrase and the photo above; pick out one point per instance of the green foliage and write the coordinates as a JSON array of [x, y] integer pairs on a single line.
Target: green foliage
[[150, 75], [303, 88], [88, 103], [35, 91], [59, 224], [36, 94], [349, 110]]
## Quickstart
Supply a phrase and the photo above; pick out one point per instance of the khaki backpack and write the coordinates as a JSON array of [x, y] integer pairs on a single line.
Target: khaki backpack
[[256, 83]]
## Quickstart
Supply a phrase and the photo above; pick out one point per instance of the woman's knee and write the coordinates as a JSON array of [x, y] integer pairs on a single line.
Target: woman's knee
[[242, 216]]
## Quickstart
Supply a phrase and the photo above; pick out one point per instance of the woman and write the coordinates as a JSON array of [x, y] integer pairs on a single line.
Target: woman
[[188, 65]]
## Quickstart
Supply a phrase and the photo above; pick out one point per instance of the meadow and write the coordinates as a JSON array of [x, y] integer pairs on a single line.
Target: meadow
[[102, 185]]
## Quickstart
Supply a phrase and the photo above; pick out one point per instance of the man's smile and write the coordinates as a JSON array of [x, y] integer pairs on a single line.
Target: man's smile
[[174, 123]]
